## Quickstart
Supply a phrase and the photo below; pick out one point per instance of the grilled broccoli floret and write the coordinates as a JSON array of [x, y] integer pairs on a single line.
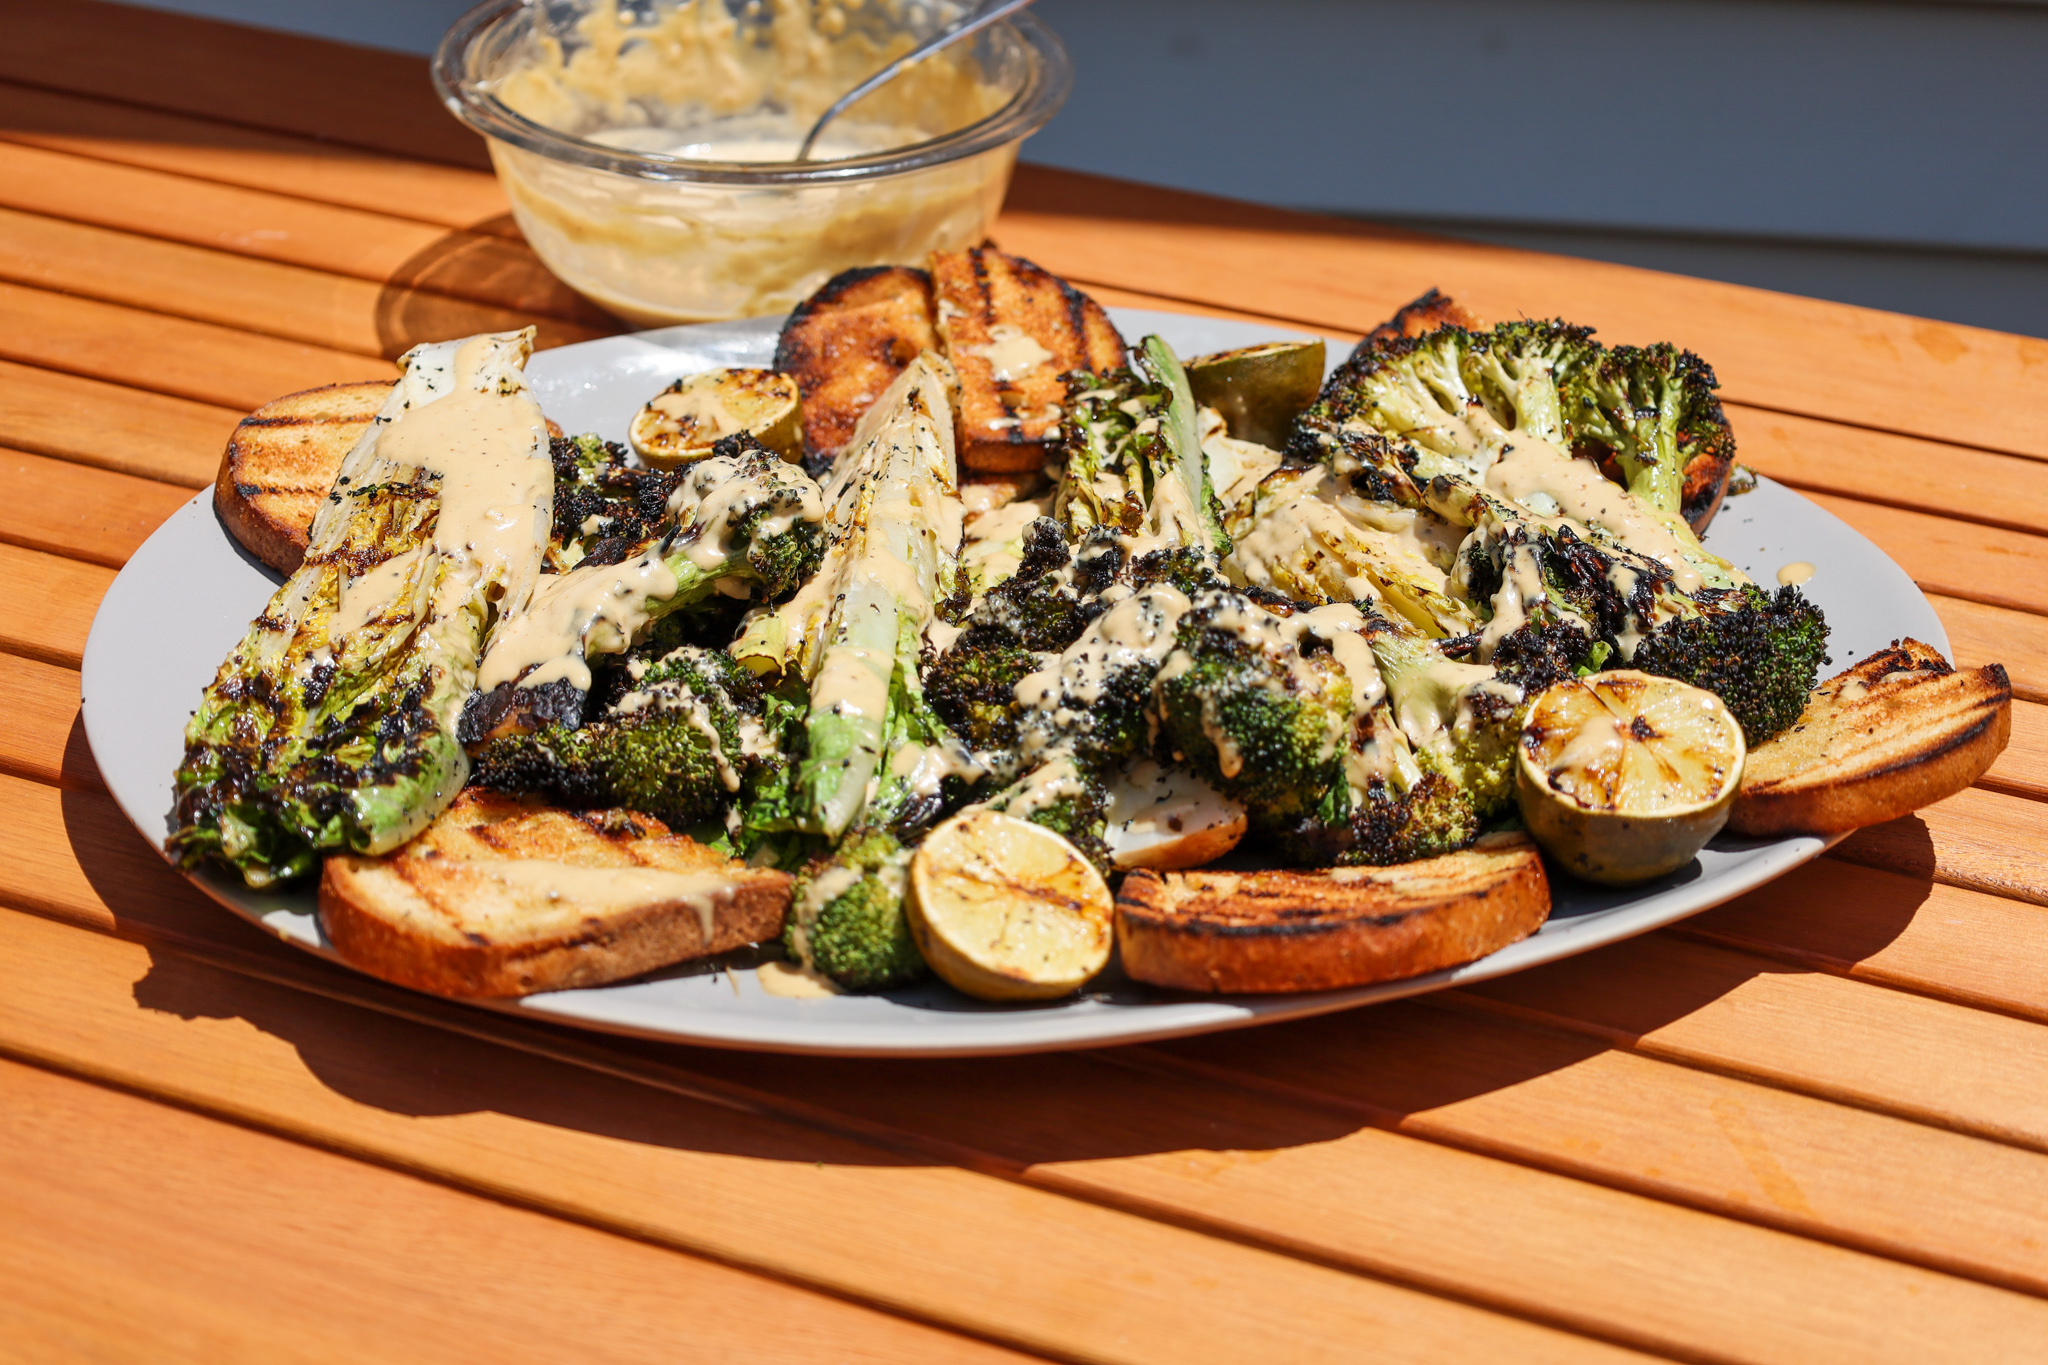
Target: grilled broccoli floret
[[1091, 700], [1242, 704], [973, 686], [846, 915], [1384, 823], [605, 507], [742, 522], [683, 742], [1760, 653], [1067, 797], [1460, 720], [1653, 409]]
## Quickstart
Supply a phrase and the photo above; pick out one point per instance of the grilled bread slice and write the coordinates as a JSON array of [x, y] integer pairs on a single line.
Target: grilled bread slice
[[501, 896], [1264, 932], [1419, 316], [845, 345], [281, 461], [1899, 731], [1011, 330]]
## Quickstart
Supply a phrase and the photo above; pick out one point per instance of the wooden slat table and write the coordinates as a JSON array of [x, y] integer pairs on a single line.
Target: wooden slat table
[[1811, 1125]]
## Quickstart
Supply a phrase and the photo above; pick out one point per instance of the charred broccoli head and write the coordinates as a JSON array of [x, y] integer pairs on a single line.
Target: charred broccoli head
[[1653, 410], [846, 915], [1759, 652], [1245, 706], [678, 741], [973, 686]]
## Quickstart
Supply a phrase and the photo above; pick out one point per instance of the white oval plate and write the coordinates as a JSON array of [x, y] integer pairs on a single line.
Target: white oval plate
[[189, 593]]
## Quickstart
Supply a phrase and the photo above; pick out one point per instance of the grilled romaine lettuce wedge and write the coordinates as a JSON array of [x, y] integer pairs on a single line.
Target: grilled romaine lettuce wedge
[[332, 726]]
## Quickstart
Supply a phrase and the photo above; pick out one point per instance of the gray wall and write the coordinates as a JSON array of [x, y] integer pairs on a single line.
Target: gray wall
[[1881, 153]]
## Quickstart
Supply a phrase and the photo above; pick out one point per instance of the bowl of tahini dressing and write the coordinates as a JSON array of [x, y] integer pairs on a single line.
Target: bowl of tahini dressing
[[646, 145]]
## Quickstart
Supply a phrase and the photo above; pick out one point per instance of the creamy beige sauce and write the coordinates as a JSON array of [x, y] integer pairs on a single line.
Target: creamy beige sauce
[[488, 442], [596, 609], [1798, 571], [795, 981], [602, 890], [600, 609], [367, 597], [700, 83], [1011, 352], [1534, 469]]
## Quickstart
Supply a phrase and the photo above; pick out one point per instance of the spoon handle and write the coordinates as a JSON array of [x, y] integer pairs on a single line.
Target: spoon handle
[[967, 27]]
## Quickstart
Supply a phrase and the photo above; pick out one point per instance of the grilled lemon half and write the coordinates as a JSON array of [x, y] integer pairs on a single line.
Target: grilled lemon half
[[1623, 776], [684, 421], [1007, 910]]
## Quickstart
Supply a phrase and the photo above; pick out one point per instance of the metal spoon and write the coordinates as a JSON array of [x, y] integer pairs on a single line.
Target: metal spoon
[[972, 24]]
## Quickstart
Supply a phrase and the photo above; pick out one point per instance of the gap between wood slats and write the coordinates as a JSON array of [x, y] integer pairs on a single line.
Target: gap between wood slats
[[274, 162], [482, 268], [1630, 1091], [142, 1231]]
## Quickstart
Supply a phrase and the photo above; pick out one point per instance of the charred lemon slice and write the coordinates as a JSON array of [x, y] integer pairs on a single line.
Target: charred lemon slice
[[1623, 776], [1007, 910], [682, 422]]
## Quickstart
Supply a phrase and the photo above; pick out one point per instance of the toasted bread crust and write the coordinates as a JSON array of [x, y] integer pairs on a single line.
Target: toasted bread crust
[[845, 345], [281, 461], [1004, 423], [423, 916], [1899, 731], [1421, 315], [1265, 932]]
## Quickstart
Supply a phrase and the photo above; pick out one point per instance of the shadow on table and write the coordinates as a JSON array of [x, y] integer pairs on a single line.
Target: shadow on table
[[433, 293], [1260, 1089]]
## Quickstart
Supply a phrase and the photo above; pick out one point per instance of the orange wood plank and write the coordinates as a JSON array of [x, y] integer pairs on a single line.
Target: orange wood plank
[[47, 604], [258, 296], [357, 96], [1984, 840], [1027, 1267], [112, 427], [1090, 1136], [1777, 351], [1899, 471], [256, 158], [2023, 768], [1945, 941], [1981, 634], [1730, 1146], [197, 360], [480, 267], [90, 514], [1913, 1057], [42, 739], [1980, 563], [159, 1235]]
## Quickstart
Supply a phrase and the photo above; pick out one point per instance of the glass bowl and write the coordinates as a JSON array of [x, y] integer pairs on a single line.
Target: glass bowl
[[645, 144]]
